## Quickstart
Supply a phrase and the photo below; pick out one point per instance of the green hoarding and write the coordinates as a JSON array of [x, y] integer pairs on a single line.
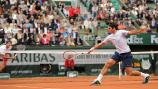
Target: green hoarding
[[143, 39], [143, 62], [32, 70]]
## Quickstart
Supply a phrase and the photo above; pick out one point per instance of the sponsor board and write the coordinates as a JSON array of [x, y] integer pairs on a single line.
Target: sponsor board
[[143, 39], [54, 57], [33, 63]]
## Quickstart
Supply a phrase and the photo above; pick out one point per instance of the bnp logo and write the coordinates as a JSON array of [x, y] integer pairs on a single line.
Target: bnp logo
[[154, 39], [133, 39]]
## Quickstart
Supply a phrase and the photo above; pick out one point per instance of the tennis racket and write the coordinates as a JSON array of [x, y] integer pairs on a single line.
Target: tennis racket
[[71, 53]]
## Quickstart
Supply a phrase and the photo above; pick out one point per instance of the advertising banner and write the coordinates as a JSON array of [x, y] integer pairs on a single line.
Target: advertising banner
[[41, 63], [55, 57], [142, 62], [143, 39]]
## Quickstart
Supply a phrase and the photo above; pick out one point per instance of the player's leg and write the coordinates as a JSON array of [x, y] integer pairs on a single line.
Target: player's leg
[[127, 64], [104, 71], [107, 66], [115, 58], [132, 72]]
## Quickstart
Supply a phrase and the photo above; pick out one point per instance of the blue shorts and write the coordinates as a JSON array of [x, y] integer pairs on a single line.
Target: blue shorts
[[126, 59]]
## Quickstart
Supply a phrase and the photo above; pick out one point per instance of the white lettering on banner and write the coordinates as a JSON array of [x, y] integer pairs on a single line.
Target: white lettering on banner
[[95, 70], [154, 39], [21, 72], [56, 58], [33, 59], [139, 57], [94, 56], [133, 39]]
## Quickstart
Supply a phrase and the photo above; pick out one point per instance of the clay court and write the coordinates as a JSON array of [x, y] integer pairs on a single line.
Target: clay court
[[82, 82]]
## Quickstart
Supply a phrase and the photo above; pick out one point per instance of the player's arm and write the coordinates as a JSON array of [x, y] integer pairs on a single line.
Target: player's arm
[[142, 29], [95, 46], [98, 45], [8, 56]]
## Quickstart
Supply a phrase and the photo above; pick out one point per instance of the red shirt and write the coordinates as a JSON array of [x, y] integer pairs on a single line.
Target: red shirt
[[44, 41], [5, 60], [77, 11], [69, 63], [71, 11]]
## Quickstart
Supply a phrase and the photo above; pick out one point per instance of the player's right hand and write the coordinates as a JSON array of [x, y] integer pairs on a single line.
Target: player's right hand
[[90, 50]]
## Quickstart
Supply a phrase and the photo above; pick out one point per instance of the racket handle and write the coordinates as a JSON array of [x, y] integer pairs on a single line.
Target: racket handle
[[15, 54]]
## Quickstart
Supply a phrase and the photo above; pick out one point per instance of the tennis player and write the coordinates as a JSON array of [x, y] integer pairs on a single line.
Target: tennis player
[[122, 53], [4, 55]]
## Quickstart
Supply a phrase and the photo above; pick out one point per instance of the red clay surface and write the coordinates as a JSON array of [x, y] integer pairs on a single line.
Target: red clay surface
[[81, 82]]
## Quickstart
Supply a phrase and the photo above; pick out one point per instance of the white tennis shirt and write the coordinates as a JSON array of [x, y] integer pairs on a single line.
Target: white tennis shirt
[[118, 39], [3, 49]]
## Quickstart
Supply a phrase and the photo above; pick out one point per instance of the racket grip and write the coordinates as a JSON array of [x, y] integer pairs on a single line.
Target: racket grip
[[15, 54]]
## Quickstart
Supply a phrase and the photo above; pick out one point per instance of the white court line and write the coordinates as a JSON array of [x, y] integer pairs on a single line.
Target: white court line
[[29, 87]]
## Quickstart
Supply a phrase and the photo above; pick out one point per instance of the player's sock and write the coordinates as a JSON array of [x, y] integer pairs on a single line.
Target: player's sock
[[144, 75], [146, 78], [99, 78]]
